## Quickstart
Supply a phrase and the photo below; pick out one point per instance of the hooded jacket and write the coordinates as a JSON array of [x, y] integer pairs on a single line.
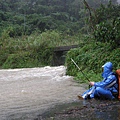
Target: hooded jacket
[[109, 81]]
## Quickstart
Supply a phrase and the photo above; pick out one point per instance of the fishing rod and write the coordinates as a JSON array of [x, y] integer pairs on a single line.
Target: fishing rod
[[80, 70]]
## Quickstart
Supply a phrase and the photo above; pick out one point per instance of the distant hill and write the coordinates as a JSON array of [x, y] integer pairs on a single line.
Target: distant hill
[[26, 16]]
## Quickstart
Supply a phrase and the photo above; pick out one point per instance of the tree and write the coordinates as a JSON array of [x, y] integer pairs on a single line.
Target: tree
[[105, 23]]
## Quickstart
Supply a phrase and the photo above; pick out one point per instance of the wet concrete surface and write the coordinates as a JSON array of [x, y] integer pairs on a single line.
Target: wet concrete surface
[[84, 110]]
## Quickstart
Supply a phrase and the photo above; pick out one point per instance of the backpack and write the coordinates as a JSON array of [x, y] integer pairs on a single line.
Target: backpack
[[118, 77]]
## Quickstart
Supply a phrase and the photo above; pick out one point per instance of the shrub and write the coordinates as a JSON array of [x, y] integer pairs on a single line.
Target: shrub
[[90, 57], [20, 60], [108, 31]]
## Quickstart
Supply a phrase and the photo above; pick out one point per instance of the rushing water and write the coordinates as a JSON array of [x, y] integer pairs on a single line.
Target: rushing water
[[39, 93], [26, 93]]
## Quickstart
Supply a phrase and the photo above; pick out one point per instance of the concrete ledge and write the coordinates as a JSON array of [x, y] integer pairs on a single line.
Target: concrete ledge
[[60, 54], [65, 48]]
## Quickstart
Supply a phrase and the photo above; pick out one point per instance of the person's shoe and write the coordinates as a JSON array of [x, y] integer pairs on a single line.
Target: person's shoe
[[80, 97]]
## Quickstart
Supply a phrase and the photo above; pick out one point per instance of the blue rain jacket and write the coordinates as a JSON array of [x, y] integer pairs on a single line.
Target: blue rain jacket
[[105, 88], [109, 81]]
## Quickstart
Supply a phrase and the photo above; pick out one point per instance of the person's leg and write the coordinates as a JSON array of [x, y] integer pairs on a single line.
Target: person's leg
[[102, 93], [87, 93]]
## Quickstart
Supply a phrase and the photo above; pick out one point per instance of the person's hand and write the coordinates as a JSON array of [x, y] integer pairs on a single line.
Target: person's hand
[[92, 83]]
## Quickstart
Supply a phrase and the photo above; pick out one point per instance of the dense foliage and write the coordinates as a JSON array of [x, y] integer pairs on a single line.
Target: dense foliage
[[90, 57], [20, 17], [27, 16], [105, 23], [30, 29], [32, 51], [108, 32]]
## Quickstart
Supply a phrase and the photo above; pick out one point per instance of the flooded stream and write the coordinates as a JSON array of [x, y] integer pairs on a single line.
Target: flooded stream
[[28, 92], [47, 93]]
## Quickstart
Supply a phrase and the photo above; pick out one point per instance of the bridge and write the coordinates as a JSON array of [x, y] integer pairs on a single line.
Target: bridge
[[60, 54]]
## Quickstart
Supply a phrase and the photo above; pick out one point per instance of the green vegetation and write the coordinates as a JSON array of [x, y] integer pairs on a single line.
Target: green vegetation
[[90, 57], [35, 50], [102, 47], [24, 17], [30, 30]]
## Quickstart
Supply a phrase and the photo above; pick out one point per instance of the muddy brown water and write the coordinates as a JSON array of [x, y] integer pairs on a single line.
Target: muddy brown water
[[28, 92]]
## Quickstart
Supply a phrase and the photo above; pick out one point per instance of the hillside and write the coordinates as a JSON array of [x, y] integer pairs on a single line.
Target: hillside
[[27, 16]]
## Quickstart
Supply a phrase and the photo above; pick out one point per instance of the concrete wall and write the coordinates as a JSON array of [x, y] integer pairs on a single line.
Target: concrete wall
[[60, 54]]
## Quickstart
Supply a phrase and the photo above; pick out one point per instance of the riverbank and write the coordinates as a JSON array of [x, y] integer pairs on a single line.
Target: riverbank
[[84, 110]]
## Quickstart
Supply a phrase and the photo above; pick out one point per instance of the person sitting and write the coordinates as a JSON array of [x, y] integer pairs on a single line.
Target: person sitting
[[105, 89]]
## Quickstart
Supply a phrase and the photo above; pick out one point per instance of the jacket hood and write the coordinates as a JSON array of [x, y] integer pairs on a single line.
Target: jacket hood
[[107, 69]]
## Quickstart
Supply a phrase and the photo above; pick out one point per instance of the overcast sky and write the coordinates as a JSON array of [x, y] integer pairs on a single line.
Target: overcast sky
[[118, 1]]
